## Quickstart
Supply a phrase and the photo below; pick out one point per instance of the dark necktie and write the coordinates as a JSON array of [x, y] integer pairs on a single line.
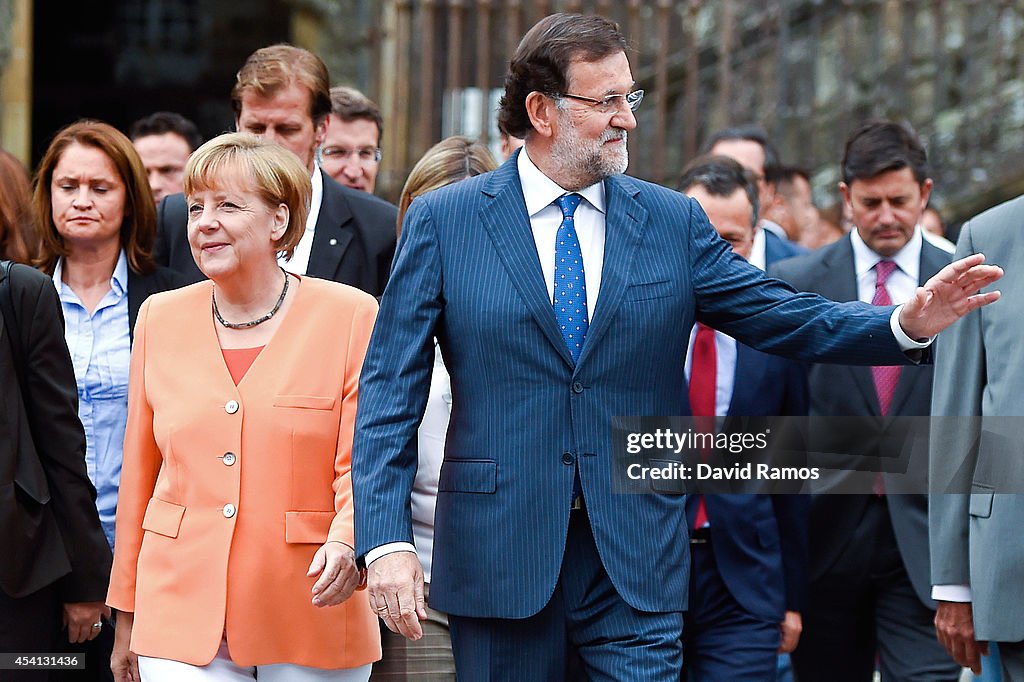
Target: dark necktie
[[703, 385], [570, 294]]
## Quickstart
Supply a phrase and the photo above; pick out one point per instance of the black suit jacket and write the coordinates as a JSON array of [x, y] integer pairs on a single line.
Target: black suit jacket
[[49, 528], [760, 541], [848, 391], [353, 243], [141, 287]]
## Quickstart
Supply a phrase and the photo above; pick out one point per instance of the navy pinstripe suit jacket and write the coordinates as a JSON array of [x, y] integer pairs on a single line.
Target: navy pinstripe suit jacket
[[524, 416]]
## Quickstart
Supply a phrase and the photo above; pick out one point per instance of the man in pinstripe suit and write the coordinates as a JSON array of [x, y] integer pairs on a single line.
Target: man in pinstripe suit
[[534, 556]]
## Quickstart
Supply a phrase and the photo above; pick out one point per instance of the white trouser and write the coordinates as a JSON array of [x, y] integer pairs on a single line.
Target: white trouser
[[223, 669]]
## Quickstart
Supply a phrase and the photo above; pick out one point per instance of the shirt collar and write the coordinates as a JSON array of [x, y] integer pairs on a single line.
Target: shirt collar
[[907, 259], [118, 280], [540, 191], [315, 199]]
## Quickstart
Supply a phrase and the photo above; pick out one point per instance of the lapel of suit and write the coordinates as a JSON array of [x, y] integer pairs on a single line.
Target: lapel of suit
[[330, 239], [504, 217], [838, 280], [932, 260], [625, 223]]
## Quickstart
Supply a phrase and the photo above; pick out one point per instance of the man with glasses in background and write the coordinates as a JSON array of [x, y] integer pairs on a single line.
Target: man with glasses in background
[[351, 149]]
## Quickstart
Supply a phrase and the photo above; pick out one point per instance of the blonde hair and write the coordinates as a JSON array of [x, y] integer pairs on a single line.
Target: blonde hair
[[273, 172], [450, 160]]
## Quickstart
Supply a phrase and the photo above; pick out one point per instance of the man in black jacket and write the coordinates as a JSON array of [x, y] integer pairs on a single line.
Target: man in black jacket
[[54, 558], [283, 93]]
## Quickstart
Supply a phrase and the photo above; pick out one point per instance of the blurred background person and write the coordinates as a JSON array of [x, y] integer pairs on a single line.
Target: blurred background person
[[450, 160], [869, 574], [793, 207], [238, 448], [18, 240], [748, 553], [749, 145], [96, 225], [509, 144], [56, 560], [282, 92], [164, 140], [350, 152], [933, 228]]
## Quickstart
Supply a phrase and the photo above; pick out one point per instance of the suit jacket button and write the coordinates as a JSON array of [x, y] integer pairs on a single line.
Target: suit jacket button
[[229, 511], [229, 458], [231, 407], [577, 387], [568, 458]]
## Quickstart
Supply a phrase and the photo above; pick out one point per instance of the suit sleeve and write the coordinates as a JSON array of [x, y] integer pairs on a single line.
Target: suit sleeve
[[52, 408], [767, 314], [953, 442], [394, 385], [139, 469], [358, 340]]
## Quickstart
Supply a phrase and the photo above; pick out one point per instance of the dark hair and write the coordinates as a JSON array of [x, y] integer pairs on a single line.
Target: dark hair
[[349, 104], [271, 69], [138, 226], [541, 61], [751, 133], [721, 176], [161, 122], [880, 146], [786, 180], [18, 241]]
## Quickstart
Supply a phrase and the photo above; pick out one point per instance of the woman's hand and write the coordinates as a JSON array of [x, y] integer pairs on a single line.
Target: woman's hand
[[335, 563], [80, 617], [123, 663]]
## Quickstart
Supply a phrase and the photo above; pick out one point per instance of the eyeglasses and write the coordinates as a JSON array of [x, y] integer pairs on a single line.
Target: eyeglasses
[[366, 155], [610, 103]]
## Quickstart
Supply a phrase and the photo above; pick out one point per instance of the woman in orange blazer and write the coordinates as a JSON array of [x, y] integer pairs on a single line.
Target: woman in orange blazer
[[233, 546]]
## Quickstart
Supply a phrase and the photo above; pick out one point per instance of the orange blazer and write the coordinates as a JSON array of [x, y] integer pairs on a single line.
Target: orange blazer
[[226, 492]]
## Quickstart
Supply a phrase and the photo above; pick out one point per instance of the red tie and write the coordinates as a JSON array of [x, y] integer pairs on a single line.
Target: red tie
[[703, 383], [885, 378]]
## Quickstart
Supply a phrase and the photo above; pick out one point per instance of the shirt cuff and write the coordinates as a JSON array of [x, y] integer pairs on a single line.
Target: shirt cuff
[[389, 548], [958, 593], [905, 342]]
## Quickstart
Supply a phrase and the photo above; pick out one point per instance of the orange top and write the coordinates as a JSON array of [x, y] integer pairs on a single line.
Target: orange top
[[239, 360], [228, 490]]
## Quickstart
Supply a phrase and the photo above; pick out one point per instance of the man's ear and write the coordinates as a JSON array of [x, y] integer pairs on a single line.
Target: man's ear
[[543, 113], [320, 131]]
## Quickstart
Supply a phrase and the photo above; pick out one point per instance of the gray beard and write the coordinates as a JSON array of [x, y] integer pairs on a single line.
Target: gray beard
[[582, 164]]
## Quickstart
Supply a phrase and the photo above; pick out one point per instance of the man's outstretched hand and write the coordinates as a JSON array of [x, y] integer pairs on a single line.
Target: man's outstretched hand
[[948, 296]]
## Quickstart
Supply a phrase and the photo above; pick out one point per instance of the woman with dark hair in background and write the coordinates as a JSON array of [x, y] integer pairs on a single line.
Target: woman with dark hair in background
[[96, 223], [17, 234], [430, 658]]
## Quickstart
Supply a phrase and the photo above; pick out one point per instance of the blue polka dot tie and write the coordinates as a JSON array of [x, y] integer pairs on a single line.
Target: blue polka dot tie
[[570, 298]]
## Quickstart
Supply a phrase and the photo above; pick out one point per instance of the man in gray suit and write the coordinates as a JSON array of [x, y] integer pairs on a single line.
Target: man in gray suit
[[869, 552], [976, 554]]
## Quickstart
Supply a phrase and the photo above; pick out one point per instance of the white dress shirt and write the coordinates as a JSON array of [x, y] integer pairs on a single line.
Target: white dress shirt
[[299, 262], [725, 368], [902, 283]]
